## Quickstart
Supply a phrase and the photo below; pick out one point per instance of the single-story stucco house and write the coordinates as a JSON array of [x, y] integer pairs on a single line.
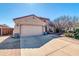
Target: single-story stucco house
[[5, 30], [31, 25]]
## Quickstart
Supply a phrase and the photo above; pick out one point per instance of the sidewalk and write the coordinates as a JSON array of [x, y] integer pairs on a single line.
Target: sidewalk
[[71, 49], [8, 52], [56, 47], [2, 38]]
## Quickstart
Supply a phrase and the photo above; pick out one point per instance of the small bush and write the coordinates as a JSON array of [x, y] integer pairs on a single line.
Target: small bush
[[76, 35], [73, 34], [69, 34], [76, 31]]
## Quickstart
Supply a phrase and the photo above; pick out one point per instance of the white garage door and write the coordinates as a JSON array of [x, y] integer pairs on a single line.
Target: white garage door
[[27, 30]]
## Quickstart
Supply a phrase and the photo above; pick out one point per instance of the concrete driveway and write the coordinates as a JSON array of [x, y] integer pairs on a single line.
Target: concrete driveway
[[58, 46], [25, 42], [9, 46], [36, 41], [6, 42]]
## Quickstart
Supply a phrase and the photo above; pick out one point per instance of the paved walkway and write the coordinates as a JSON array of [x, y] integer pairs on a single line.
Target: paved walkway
[[61, 46], [2, 38], [70, 49]]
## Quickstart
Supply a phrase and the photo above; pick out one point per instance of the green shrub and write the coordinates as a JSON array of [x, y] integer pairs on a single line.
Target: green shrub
[[71, 31], [76, 34], [73, 34], [69, 34], [76, 31]]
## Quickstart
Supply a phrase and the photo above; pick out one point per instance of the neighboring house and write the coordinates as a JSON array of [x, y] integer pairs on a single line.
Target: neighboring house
[[31, 25], [5, 30]]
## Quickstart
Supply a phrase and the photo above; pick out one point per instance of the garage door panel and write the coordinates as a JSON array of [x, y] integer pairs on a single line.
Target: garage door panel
[[31, 30]]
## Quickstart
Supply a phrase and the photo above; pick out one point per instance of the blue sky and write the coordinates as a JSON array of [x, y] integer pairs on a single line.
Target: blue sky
[[9, 11]]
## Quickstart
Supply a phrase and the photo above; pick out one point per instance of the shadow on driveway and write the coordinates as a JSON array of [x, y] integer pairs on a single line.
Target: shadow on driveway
[[27, 42]]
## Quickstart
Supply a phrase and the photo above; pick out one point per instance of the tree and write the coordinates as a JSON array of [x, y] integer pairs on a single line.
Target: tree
[[65, 23]]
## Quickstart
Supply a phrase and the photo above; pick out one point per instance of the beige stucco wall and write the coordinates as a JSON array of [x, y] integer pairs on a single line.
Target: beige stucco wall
[[29, 22], [16, 29]]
